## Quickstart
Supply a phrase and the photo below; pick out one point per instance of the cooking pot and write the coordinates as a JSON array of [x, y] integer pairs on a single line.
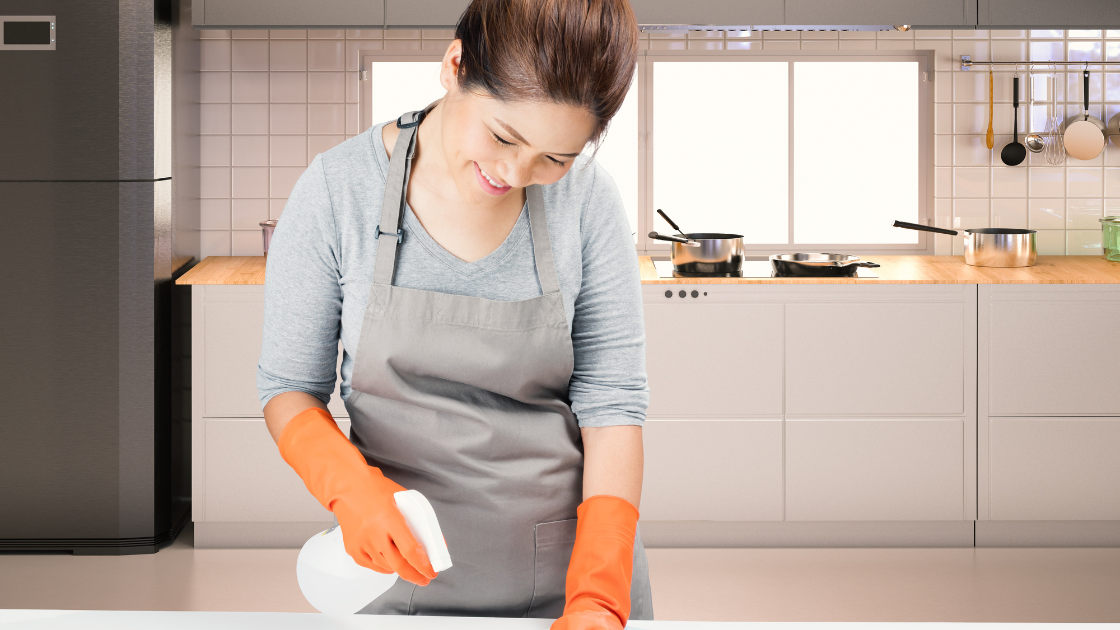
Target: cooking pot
[[705, 253], [990, 247], [817, 265]]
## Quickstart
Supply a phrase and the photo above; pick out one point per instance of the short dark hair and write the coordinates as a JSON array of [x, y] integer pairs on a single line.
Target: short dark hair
[[575, 52]]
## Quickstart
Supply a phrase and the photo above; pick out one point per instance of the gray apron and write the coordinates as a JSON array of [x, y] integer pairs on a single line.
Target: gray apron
[[466, 400]]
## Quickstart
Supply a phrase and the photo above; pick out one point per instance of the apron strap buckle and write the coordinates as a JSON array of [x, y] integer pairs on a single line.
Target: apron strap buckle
[[399, 234], [419, 119]]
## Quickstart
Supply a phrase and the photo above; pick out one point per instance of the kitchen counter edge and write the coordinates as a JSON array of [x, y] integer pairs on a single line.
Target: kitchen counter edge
[[231, 270]]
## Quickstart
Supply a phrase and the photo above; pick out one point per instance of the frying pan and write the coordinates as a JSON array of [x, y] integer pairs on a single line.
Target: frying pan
[[990, 247], [1085, 135], [817, 265]]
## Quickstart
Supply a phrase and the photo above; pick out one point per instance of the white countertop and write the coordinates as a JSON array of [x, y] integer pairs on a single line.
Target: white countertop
[[150, 620]]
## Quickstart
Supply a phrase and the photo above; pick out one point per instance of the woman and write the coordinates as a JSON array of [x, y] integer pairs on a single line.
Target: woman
[[483, 280]]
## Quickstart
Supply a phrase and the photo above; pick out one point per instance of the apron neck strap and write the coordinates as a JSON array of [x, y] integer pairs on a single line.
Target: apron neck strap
[[542, 246], [390, 232]]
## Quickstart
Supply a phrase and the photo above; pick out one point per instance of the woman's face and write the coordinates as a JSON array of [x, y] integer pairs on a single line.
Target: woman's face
[[494, 147]]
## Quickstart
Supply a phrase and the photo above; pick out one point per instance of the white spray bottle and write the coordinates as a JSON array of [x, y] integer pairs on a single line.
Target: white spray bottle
[[334, 584]]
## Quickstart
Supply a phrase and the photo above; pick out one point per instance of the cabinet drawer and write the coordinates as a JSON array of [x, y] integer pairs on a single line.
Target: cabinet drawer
[[875, 470], [1048, 351], [719, 360], [246, 480], [1053, 469], [711, 470], [855, 358], [233, 325]]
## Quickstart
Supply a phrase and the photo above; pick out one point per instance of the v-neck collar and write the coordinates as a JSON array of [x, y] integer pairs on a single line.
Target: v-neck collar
[[413, 227]]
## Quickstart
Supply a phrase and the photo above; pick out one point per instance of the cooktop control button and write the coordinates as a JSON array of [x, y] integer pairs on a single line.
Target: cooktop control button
[[695, 294], [682, 293], [668, 294]]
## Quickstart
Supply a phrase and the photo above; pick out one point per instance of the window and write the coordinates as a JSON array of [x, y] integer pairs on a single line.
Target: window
[[788, 149]]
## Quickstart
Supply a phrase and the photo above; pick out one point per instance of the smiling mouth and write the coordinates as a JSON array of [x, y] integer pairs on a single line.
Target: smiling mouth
[[489, 184]]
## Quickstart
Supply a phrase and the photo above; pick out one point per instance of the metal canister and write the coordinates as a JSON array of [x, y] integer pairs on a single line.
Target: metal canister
[[267, 227]]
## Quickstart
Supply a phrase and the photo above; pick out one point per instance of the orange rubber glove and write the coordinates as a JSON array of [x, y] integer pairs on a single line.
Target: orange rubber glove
[[374, 530], [602, 565]]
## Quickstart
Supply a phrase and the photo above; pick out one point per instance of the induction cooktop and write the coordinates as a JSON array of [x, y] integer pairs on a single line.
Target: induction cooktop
[[751, 269]]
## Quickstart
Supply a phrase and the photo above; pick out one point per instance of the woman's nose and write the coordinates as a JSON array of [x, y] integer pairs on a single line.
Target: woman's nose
[[517, 174]]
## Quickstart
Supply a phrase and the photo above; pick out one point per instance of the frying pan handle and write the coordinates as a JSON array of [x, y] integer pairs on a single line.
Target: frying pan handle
[[1086, 90], [867, 264], [674, 225], [923, 228]]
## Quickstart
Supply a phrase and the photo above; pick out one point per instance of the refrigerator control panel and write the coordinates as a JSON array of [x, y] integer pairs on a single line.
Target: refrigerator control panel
[[27, 32]]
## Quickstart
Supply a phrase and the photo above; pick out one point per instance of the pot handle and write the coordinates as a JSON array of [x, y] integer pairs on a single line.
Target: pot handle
[[673, 239], [669, 221], [1086, 91], [924, 228], [867, 264]]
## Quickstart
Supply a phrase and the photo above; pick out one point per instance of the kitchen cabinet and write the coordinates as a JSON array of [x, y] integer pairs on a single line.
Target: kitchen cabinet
[[785, 414], [876, 470], [901, 356], [1048, 413], [287, 13], [729, 366], [942, 13], [1053, 469], [713, 470], [867, 392], [231, 322], [721, 12], [1090, 14], [424, 13], [246, 480], [243, 494], [1045, 348]]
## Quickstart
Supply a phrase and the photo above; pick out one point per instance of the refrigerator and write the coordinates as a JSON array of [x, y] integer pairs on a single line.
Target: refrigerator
[[91, 461]]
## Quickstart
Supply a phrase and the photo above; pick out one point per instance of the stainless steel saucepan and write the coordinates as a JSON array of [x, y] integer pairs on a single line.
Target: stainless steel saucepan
[[704, 253], [990, 247]]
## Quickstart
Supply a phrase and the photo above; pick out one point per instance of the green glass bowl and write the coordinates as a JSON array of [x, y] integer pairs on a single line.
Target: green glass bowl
[[1110, 238]]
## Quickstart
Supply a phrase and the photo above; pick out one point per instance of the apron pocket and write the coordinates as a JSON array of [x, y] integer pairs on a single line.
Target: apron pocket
[[552, 553]]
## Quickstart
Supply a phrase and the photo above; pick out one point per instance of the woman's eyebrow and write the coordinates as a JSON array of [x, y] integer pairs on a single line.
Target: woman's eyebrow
[[520, 138]]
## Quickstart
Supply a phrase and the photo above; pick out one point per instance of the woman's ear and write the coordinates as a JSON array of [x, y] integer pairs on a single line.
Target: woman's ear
[[449, 69]]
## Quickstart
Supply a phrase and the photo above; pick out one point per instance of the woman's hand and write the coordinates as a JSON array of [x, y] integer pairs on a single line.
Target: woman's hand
[[587, 621], [373, 529], [602, 564]]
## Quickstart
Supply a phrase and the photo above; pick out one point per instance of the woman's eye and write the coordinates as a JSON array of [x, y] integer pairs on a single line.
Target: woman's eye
[[500, 140], [557, 162]]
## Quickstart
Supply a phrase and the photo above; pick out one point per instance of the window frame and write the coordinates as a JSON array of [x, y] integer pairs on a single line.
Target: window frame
[[646, 136], [365, 85]]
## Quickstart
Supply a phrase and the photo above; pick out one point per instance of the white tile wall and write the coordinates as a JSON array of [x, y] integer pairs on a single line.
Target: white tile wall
[[1062, 202], [272, 100]]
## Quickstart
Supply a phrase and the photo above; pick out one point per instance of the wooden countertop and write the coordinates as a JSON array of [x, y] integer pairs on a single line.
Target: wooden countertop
[[938, 270], [894, 270], [226, 270]]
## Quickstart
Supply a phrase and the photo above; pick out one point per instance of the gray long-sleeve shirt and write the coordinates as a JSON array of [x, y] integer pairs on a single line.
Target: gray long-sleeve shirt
[[320, 265]]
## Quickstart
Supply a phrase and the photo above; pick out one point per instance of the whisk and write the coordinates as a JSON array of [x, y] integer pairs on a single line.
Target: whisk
[[1055, 149]]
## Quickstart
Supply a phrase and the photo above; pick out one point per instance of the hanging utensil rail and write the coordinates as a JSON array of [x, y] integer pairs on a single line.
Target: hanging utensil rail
[[967, 63]]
